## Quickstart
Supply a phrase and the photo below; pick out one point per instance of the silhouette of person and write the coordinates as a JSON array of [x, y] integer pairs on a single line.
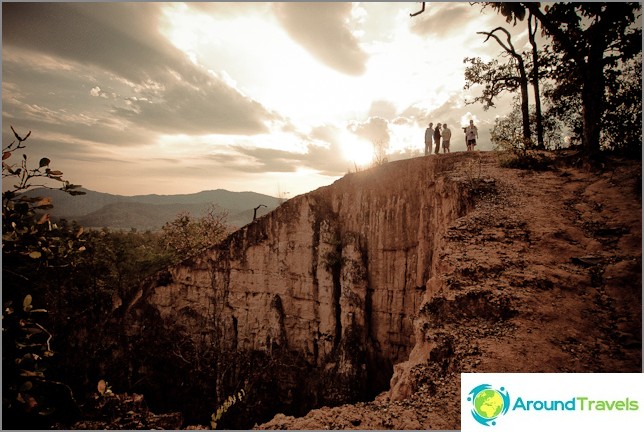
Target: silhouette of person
[[447, 134], [429, 132], [471, 134], [437, 138]]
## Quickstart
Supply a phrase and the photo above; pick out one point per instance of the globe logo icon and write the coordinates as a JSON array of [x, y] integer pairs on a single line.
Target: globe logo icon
[[488, 403]]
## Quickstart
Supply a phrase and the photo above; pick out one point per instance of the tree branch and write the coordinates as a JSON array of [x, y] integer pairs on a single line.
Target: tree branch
[[48, 334], [419, 12], [556, 32], [509, 50]]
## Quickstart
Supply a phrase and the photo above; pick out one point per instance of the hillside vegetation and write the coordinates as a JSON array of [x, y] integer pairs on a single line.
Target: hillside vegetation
[[151, 212]]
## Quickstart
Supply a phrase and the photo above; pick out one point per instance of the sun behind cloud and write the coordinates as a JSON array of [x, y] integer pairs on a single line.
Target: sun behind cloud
[[357, 150]]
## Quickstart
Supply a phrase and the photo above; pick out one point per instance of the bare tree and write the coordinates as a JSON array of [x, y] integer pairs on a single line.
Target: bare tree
[[523, 77], [255, 210]]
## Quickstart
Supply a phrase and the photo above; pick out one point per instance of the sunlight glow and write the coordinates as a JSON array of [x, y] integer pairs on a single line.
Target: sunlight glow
[[356, 150], [465, 119], [405, 138]]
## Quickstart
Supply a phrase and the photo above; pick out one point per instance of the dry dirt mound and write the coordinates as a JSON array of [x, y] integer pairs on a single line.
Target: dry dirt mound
[[543, 275]]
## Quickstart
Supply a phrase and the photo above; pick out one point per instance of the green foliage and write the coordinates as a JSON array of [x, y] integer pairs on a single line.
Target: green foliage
[[509, 10], [225, 406], [186, 236], [61, 280], [26, 229], [64, 289], [529, 160], [31, 246], [95, 294], [473, 168], [507, 131], [496, 78], [513, 150], [621, 125], [116, 264], [32, 348], [623, 117], [23, 176], [593, 41], [594, 94]]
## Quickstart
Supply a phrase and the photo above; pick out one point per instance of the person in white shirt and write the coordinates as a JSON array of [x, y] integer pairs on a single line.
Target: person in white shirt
[[429, 133], [471, 135], [447, 134]]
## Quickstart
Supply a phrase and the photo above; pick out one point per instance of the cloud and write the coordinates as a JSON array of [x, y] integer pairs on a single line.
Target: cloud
[[460, 21], [322, 29], [414, 115], [326, 160], [223, 9], [374, 130], [324, 133], [441, 20], [120, 42], [180, 106], [97, 92], [323, 159], [382, 108], [72, 124], [134, 94], [118, 37], [258, 160], [449, 112], [323, 152]]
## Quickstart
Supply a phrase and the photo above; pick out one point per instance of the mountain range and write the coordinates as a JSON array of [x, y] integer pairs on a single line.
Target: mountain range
[[151, 212]]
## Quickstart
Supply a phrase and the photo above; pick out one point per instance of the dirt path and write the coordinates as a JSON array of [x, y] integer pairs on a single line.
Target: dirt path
[[543, 275]]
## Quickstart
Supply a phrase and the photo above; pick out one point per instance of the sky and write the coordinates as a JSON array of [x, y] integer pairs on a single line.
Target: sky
[[275, 98]]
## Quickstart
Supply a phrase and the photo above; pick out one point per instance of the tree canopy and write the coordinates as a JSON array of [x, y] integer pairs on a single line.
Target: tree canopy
[[590, 40]]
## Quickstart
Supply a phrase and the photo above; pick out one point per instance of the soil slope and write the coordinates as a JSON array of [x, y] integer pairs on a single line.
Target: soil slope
[[543, 275]]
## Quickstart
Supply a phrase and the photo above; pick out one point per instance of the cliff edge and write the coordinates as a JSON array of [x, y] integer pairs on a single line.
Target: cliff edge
[[541, 274], [373, 294]]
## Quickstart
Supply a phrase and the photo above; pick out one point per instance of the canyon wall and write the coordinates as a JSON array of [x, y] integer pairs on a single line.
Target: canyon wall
[[335, 276]]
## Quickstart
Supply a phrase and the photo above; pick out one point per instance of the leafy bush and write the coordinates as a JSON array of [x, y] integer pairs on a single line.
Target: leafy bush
[[31, 246], [186, 236], [514, 151], [526, 160]]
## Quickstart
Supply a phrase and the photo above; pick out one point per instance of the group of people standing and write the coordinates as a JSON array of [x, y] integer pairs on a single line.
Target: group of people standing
[[435, 135]]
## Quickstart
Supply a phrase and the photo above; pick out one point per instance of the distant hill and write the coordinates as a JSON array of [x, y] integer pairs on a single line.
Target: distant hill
[[143, 212]]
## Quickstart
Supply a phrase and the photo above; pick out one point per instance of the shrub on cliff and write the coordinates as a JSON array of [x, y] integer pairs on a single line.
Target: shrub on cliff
[[186, 236]]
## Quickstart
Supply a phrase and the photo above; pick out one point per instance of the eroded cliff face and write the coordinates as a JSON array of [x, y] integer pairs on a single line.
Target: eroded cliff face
[[335, 276], [541, 275]]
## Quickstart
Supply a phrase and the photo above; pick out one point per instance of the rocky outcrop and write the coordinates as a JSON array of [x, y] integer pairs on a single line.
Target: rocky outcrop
[[336, 275], [398, 278], [541, 275]]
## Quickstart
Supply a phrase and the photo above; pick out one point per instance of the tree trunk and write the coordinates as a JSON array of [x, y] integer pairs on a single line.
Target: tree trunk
[[590, 66], [525, 112], [509, 48], [535, 81], [592, 95]]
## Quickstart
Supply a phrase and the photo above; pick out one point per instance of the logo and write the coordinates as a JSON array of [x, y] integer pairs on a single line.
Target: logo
[[488, 403], [592, 402]]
